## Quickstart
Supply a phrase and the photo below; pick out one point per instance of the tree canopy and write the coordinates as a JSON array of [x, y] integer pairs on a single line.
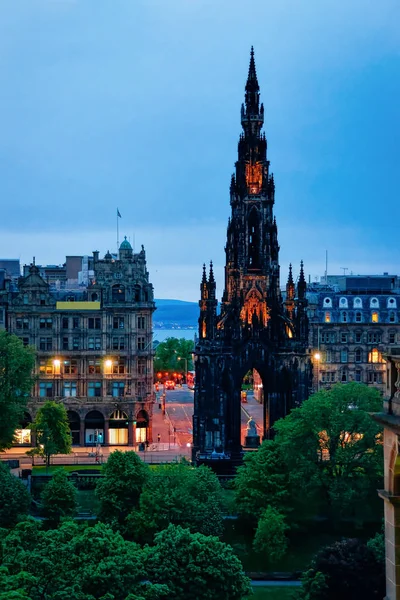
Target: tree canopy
[[270, 538], [59, 497], [119, 491], [16, 380], [168, 353], [14, 498], [53, 434], [178, 494], [198, 567]]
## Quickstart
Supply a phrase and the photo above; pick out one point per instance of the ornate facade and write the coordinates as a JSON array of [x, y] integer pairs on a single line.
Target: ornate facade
[[94, 348], [254, 329]]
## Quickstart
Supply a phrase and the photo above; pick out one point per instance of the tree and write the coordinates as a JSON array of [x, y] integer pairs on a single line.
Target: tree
[[178, 494], [16, 380], [270, 538], [59, 497], [195, 566], [345, 570], [14, 498], [74, 563], [332, 450], [261, 481], [168, 352], [53, 434], [119, 491]]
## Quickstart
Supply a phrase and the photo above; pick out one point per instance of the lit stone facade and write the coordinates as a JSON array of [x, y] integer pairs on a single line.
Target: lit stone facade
[[350, 333], [94, 348]]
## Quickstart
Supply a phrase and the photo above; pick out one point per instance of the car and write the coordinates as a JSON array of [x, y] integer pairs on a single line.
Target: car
[[170, 385]]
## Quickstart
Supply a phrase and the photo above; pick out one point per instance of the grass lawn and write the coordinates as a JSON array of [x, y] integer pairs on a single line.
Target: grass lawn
[[41, 470], [274, 593]]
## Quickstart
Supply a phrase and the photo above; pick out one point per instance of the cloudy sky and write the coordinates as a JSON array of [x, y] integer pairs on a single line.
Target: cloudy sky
[[135, 104]]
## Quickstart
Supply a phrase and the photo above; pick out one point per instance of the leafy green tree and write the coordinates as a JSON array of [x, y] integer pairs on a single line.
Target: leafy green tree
[[262, 481], [14, 498], [59, 497], [195, 567], [168, 352], [332, 450], [74, 563], [16, 380], [119, 491], [53, 434], [270, 538], [345, 570], [178, 494]]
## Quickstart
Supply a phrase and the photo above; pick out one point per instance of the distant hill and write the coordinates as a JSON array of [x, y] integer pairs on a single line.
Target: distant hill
[[172, 313]]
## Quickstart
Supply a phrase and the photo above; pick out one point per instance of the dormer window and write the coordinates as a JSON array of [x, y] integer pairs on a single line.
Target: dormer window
[[374, 303], [391, 303], [343, 303], [357, 303], [328, 302]]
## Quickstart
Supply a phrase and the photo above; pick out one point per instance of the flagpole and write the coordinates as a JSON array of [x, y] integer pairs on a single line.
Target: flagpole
[[117, 231]]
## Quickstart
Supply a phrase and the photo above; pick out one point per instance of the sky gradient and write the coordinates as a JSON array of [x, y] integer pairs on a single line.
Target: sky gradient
[[136, 104]]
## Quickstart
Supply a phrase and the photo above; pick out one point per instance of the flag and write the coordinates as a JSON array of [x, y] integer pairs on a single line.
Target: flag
[[118, 214]]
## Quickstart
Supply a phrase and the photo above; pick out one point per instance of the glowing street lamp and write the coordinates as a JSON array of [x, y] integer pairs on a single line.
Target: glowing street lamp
[[317, 358]]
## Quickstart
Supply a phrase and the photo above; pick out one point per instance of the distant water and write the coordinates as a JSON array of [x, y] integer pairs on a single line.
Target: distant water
[[162, 334]]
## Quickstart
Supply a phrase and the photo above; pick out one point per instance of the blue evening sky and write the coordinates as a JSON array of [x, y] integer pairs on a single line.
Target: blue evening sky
[[136, 104]]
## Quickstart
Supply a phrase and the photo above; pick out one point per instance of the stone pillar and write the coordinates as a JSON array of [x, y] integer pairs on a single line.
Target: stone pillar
[[106, 432], [82, 433], [130, 433], [392, 545]]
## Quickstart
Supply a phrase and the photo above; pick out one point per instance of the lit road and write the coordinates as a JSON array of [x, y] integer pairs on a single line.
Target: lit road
[[179, 412]]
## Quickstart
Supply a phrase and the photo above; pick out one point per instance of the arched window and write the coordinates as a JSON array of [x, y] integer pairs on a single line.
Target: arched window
[[391, 303], [358, 355], [118, 293], [392, 316], [343, 316], [328, 302], [254, 240], [374, 303], [343, 376], [343, 303], [357, 303], [327, 317], [358, 317], [375, 317], [94, 297], [374, 356], [343, 356]]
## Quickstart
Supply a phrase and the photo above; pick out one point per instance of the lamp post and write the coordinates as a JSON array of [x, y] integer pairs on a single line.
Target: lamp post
[[317, 357], [186, 362]]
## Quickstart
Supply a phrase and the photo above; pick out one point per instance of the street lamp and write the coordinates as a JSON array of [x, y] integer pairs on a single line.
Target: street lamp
[[186, 362], [317, 357]]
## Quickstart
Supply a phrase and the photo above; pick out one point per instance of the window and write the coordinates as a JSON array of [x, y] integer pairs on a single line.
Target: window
[[141, 323], [94, 323], [141, 343], [22, 323], [374, 303], [42, 299], [71, 367], [374, 317], [94, 343], [327, 301], [18, 323], [118, 293], [70, 389], [76, 343], [329, 356], [65, 343], [358, 376], [343, 338], [118, 366], [392, 337], [374, 338], [64, 323], [358, 355], [118, 343], [25, 341], [141, 388], [327, 317], [46, 367], [392, 317], [26, 299], [141, 366], [118, 323], [75, 323], [358, 337], [343, 376], [343, 356], [45, 343], [343, 302], [94, 389], [374, 377], [94, 366], [45, 323], [328, 337], [374, 356], [391, 303], [328, 377], [358, 317], [357, 303], [118, 388], [46, 389]]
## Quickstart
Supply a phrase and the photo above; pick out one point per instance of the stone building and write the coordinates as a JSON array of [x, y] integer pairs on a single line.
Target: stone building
[[94, 348], [255, 329], [352, 326]]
